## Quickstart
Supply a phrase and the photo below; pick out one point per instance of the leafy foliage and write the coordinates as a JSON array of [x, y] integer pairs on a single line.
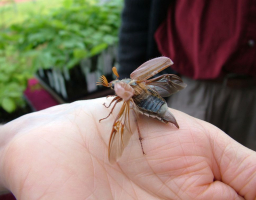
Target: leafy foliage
[[64, 36], [60, 39], [13, 79]]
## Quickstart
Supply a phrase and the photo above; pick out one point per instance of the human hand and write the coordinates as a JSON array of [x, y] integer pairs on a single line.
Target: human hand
[[61, 153]]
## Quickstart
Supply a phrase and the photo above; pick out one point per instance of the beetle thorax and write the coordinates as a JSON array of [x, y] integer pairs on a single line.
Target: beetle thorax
[[123, 90]]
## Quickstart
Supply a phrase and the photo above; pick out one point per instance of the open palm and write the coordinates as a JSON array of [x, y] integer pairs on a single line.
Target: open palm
[[61, 153]]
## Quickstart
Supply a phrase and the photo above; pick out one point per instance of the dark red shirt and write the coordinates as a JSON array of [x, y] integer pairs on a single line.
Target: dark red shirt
[[208, 39]]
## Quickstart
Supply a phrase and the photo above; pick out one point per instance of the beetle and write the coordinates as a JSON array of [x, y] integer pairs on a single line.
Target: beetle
[[140, 95]]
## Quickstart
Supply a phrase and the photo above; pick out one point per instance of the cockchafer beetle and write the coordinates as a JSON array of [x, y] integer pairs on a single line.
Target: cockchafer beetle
[[139, 94]]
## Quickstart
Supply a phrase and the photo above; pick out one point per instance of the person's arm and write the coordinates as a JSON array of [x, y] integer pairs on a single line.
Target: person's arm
[[61, 153]]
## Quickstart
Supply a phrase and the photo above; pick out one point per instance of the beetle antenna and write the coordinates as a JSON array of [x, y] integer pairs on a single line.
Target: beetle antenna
[[115, 72], [103, 81]]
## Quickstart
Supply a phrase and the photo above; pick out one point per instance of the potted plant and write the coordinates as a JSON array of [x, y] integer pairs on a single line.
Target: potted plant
[[71, 47]]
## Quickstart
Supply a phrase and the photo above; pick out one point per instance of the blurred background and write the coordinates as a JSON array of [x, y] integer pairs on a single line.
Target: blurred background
[[53, 52]]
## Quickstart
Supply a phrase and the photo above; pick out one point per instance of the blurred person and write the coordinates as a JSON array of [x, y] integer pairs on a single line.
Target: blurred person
[[212, 44], [61, 153]]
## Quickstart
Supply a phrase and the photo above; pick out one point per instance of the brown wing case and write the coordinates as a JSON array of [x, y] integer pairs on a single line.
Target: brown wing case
[[150, 68]]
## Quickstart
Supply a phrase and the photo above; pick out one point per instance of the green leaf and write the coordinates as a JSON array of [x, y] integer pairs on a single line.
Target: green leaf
[[3, 78], [67, 3], [105, 28], [109, 39], [80, 53], [97, 49], [72, 63], [69, 43], [8, 105]]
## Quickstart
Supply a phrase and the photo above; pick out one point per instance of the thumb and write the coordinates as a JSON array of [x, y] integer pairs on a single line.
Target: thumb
[[237, 167]]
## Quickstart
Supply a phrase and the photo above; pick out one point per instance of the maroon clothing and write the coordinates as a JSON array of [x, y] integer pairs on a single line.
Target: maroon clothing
[[207, 39]]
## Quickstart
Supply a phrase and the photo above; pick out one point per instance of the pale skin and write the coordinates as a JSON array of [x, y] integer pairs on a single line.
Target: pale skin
[[61, 153]]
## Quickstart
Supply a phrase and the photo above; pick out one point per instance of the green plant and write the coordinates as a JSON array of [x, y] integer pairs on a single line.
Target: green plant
[[65, 36], [11, 12], [13, 79], [58, 39]]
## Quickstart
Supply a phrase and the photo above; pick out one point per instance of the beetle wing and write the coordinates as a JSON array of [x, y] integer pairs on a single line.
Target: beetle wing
[[121, 132], [151, 68], [166, 84]]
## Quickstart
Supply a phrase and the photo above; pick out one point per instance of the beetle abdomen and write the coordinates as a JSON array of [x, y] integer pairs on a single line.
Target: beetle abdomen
[[150, 103], [146, 99], [163, 114]]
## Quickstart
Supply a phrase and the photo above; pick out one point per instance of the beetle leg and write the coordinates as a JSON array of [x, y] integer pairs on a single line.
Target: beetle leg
[[117, 101], [140, 138], [111, 96], [104, 104], [138, 128]]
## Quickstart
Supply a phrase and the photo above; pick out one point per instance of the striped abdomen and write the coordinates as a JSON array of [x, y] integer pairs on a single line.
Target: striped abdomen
[[149, 103]]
